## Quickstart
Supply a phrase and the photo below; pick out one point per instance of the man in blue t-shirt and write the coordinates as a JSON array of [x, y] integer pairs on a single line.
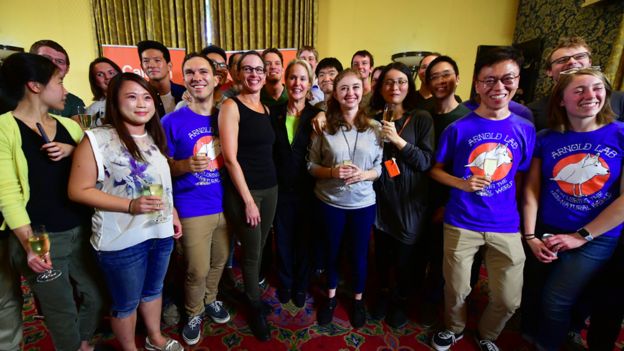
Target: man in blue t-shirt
[[479, 156], [196, 162]]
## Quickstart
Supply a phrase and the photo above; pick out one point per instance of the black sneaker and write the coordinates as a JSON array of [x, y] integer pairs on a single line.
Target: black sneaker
[[443, 340], [216, 312], [487, 345], [299, 299], [283, 295], [396, 318], [192, 330], [263, 283], [358, 317], [381, 308], [325, 313], [258, 323]]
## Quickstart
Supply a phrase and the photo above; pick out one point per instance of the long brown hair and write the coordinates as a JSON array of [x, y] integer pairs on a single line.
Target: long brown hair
[[116, 120], [557, 114], [334, 114]]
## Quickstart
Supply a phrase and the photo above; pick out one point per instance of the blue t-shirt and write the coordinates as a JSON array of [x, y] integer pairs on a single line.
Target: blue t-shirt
[[496, 148], [188, 133], [580, 175]]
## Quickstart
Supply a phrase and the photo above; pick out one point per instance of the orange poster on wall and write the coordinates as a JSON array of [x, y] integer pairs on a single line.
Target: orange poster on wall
[[127, 57]]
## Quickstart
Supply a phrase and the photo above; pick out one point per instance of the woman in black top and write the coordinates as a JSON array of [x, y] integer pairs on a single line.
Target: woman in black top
[[401, 198], [293, 225], [251, 189], [33, 192]]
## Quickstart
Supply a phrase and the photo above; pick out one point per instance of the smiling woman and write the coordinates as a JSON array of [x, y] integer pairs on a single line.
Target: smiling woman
[[586, 227], [121, 171], [251, 187]]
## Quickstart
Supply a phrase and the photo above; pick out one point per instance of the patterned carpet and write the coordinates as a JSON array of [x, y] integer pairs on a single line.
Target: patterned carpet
[[296, 329]]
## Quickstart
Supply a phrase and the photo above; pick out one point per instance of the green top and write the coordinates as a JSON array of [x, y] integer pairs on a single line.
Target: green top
[[292, 122], [269, 101]]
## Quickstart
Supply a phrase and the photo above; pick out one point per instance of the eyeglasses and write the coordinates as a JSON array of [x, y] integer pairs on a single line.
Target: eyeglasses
[[507, 80], [219, 64], [583, 69], [577, 57], [443, 75], [250, 69], [57, 61], [389, 83]]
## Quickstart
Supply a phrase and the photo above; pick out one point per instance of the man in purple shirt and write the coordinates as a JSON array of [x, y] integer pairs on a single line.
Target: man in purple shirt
[[478, 157]]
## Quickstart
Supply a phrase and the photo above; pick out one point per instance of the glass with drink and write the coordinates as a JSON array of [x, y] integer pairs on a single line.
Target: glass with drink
[[86, 120], [156, 189], [489, 167], [39, 243]]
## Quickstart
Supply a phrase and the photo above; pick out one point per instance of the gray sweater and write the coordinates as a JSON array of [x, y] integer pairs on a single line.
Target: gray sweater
[[331, 150]]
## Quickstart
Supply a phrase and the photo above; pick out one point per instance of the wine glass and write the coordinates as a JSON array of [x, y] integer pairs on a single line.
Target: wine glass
[[387, 116], [86, 120], [156, 189], [345, 187], [39, 243]]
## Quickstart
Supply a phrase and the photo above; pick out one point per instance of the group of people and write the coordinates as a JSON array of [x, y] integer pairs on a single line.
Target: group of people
[[330, 158]]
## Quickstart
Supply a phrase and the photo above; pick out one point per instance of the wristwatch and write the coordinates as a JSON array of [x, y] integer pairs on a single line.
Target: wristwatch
[[585, 234]]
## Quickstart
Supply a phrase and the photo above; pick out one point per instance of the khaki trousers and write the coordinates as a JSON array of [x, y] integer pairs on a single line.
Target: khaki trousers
[[504, 260], [206, 246]]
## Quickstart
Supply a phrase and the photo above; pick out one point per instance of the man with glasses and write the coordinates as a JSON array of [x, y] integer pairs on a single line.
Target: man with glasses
[[326, 72], [156, 63], [479, 157], [273, 93], [57, 54], [569, 53]]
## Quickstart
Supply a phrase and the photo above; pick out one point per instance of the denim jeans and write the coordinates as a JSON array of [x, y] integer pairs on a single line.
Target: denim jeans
[[135, 274], [567, 280]]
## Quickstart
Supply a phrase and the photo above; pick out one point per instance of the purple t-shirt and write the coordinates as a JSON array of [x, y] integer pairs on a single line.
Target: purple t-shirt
[[496, 148], [580, 175], [188, 133]]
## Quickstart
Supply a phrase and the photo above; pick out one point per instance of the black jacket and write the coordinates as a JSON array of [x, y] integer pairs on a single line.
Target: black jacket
[[177, 91], [402, 200], [291, 160]]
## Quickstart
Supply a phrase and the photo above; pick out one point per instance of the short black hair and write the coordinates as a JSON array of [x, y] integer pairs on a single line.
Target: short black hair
[[364, 53], [273, 51], [152, 44], [496, 55], [214, 49], [232, 58], [440, 59], [328, 62]]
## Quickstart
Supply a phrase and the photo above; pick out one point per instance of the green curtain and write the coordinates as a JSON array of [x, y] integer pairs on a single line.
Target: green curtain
[[175, 23], [260, 24], [615, 66]]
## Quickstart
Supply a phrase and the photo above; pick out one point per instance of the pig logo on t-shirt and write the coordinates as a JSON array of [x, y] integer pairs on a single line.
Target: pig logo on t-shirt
[[581, 174], [211, 147], [493, 160]]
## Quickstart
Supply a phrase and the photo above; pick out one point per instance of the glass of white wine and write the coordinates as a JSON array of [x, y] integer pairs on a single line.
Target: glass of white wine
[[86, 120], [40, 244], [156, 189], [489, 167]]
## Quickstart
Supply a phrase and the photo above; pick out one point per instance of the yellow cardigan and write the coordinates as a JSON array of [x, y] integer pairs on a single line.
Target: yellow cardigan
[[14, 187]]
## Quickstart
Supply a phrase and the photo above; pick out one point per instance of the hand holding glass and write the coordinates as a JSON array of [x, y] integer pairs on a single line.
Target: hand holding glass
[[39, 243]]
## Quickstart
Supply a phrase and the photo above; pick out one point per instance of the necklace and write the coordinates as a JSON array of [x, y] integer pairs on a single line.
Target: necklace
[[357, 134]]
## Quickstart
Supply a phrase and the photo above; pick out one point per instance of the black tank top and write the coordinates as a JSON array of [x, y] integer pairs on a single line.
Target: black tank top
[[255, 147], [49, 204]]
